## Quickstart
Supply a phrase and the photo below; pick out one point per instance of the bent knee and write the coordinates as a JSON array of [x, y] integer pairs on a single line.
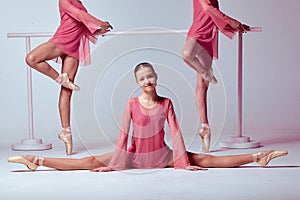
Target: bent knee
[[31, 60], [90, 162], [186, 55], [205, 160]]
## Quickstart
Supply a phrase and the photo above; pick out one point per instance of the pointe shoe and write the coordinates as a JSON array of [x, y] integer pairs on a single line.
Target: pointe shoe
[[264, 157], [209, 76], [66, 137], [32, 165], [205, 136], [65, 82]]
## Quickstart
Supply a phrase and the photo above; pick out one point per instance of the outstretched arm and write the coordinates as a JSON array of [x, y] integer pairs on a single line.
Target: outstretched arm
[[180, 157], [119, 157], [92, 23]]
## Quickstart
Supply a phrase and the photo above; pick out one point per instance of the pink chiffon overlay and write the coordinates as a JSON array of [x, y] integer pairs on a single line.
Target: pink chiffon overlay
[[207, 21], [148, 148], [77, 27]]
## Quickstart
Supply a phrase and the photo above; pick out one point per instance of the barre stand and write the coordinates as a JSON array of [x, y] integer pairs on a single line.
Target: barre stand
[[31, 143], [240, 141]]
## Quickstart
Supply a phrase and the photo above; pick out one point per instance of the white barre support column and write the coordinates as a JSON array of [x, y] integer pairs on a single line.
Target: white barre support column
[[241, 141], [31, 143]]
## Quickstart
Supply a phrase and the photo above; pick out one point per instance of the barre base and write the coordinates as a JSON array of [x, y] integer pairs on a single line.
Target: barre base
[[236, 142], [31, 145]]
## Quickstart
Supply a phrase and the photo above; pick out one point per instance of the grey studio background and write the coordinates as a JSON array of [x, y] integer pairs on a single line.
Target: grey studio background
[[271, 97], [271, 69]]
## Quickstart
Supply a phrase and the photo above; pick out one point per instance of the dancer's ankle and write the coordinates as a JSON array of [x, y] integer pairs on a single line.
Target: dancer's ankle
[[39, 161], [67, 129], [63, 80], [58, 79], [205, 125]]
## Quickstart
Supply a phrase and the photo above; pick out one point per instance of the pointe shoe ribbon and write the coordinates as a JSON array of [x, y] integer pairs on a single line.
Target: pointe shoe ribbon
[[66, 137], [65, 82], [264, 157], [31, 165], [205, 136]]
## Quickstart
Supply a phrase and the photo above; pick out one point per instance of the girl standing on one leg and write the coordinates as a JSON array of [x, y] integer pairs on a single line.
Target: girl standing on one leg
[[148, 113], [69, 45], [201, 48]]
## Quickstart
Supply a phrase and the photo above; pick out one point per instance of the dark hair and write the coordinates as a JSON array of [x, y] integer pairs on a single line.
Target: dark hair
[[141, 65]]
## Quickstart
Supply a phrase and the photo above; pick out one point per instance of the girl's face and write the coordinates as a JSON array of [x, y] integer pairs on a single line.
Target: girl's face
[[146, 78]]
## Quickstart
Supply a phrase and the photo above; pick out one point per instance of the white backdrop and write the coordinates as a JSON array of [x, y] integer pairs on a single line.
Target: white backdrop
[[271, 68]]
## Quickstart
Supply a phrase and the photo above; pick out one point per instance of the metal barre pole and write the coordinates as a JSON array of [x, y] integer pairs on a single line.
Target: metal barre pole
[[113, 33], [48, 34]]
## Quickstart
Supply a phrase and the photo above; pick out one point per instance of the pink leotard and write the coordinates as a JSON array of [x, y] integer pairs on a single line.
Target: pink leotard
[[207, 20], [76, 29], [148, 148]]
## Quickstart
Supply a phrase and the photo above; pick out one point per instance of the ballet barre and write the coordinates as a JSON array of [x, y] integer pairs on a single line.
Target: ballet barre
[[241, 141], [123, 33], [114, 33], [31, 143]]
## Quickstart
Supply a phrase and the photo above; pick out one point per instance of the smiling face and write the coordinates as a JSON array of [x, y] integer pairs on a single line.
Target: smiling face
[[146, 78]]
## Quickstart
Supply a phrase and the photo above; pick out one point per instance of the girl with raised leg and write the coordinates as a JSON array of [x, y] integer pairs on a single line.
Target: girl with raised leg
[[69, 46], [201, 48]]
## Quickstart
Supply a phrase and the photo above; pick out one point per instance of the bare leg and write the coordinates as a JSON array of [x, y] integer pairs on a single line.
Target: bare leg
[[191, 55], [219, 161], [37, 59], [70, 66], [197, 58], [92, 162], [201, 98], [209, 161], [88, 163]]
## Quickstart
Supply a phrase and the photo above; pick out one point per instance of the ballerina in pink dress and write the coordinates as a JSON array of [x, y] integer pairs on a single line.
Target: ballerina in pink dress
[[201, 48], [148, 113], [70, 47]]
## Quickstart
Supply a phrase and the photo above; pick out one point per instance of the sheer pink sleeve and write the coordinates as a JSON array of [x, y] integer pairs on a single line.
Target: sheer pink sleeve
[[179, 152], [83, 16], [220, 19], [119, 157]]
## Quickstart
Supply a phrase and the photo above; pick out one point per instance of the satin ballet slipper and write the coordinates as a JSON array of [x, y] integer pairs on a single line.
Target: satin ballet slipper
[[209, 76], [65, 82], [264, 157], [31, 165], [205, 137], [66, 137]]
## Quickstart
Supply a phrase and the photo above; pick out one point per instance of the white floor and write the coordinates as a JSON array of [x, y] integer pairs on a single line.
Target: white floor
[[280, 180]]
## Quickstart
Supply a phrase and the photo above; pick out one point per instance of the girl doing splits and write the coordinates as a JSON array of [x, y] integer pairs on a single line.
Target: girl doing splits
[[148, 113]]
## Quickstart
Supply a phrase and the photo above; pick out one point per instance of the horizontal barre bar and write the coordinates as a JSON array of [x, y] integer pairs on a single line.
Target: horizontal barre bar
[[25, 35], [255, 29], [155, 32]]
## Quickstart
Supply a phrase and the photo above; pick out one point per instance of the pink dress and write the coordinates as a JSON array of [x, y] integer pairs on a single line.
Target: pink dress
[[76, 29], [207, 20], [148, 149]]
